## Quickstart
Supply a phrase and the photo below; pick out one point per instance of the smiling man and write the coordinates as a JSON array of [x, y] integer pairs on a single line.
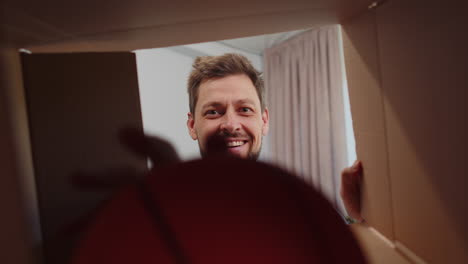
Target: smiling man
[[226, 100]]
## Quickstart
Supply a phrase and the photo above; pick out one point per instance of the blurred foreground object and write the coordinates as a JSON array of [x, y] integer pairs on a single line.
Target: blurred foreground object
[[218, 211]]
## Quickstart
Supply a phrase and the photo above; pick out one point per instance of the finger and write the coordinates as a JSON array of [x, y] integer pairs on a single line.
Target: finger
[[353, 174], [357, 166], [159, 151], [133, 139]]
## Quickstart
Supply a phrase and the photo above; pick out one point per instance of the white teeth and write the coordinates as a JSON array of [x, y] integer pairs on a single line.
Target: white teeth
[[235, 143]]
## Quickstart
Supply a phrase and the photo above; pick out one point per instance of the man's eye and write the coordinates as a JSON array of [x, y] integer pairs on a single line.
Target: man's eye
[[246, 109], [211, 112]]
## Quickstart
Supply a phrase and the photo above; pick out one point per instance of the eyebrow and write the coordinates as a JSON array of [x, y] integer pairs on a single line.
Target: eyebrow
[[218, 104], [245, 101], [211, 104]]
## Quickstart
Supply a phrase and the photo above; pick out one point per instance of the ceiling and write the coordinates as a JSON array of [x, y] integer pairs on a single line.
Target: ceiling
[[114, 25], [257, 44]]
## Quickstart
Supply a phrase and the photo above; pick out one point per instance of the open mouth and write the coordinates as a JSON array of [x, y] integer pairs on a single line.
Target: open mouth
[[234, 144]]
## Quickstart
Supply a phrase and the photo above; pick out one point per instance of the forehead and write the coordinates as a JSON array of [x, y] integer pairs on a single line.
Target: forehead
[[232, 87]]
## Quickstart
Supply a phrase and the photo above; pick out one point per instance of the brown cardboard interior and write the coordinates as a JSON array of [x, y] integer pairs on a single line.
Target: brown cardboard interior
[[423, 63], [74, 26], [416, 52], [363, 73], [377, 249], [76, 105]]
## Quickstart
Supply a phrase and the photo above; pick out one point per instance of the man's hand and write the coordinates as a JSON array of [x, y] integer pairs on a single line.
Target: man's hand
[[351, 190], [158, 150]]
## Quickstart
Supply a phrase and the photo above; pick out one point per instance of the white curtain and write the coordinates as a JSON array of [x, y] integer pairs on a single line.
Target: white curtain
[[304, 88]]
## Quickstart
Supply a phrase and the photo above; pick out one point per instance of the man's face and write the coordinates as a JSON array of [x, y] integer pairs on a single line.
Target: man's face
[[229, 107]]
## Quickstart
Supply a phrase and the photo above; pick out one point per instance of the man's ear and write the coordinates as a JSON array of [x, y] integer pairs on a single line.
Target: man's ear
[[266, 122], [190, 126]]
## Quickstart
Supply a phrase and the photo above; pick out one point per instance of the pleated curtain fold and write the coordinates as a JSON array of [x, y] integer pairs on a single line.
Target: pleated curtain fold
[[304, 91]]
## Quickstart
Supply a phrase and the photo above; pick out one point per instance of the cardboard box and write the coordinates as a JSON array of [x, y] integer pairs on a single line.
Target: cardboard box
[[410, 59], [405, 66]]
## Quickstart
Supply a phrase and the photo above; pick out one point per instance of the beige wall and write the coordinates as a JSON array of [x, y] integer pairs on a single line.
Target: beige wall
[[406, 66]]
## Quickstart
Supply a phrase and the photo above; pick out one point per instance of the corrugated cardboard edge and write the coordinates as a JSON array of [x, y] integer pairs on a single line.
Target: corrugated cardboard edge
[[379, 249]]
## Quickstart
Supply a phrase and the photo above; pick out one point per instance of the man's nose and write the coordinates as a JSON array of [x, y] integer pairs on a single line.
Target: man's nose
[[230, 123]]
